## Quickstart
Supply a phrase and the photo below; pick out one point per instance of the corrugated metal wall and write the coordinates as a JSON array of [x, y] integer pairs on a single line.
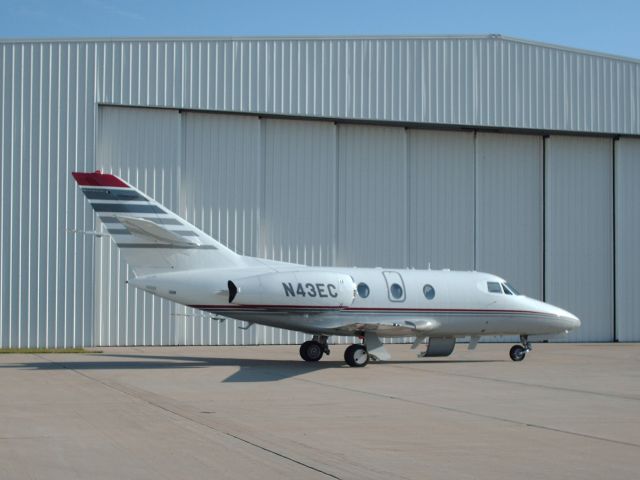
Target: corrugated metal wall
[[579, 232], [475, 81], [300, 198], [143, 146], [480, 81], [220, 183], [50, 91], [300, 211], [47, 129], [510, 208], [627, 244], [442, 207], [372, 196], [324, 194]]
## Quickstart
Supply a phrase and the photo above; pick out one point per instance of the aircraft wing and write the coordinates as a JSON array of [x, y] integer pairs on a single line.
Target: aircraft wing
[[419, 327]]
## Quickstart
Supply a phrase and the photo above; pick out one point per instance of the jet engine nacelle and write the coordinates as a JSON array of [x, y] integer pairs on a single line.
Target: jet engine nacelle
[[297, 289]]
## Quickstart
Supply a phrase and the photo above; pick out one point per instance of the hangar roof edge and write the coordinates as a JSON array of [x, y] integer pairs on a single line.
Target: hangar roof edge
[[491, 36]]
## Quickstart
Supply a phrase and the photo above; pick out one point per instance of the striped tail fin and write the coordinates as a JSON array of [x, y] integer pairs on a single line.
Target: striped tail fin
[[151, 238]]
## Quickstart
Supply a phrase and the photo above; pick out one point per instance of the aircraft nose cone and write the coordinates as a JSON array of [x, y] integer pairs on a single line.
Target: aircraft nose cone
[[570, 321]]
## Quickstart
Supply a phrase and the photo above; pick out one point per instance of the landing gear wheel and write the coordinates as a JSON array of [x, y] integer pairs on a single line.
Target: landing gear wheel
[[311, 351], [356, 355], [517, 353]]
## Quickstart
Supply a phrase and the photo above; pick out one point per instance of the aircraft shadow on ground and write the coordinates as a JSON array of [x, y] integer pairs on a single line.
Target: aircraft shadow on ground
[[249, 370]]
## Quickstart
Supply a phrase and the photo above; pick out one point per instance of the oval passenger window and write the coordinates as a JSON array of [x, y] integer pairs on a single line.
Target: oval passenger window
[[363, 290], [396, 291], [429, 292]]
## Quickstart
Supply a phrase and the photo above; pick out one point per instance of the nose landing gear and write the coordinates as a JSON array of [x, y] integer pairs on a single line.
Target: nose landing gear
[[518, 352]]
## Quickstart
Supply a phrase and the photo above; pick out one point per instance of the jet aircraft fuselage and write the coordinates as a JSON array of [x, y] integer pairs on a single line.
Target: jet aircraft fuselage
[[173, 259], [387, 301]]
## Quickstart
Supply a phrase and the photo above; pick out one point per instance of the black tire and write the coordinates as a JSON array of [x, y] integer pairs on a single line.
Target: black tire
[[303, 352], [517, 353], [311, 351], [356, 355]]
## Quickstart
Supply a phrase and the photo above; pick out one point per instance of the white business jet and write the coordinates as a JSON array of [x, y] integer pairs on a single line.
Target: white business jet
[[175, 260]]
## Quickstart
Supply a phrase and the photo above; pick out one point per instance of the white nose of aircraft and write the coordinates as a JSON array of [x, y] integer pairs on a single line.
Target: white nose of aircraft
[[567, 320], [555, 317], [563, 320]]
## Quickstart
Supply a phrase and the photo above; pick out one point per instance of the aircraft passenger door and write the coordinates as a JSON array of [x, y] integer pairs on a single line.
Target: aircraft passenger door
[[395, 286]]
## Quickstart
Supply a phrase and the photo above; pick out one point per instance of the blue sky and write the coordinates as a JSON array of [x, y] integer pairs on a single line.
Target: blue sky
[[610, 26]]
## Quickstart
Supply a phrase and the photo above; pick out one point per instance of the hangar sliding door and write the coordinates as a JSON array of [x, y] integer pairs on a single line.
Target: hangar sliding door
[[142, 146], [300, 199], [372, 203], [509, 209], [441, 203], [579, 232], [220, 191], [627, 201], [299, 215]]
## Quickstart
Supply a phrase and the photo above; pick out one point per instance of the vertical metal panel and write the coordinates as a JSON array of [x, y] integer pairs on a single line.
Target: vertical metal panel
[[221, 184], [221, 178], [142, 146], [300, 191], [372, 197], [441, 202], [509, 209], [627, 220], [579, 232], [46, 131]]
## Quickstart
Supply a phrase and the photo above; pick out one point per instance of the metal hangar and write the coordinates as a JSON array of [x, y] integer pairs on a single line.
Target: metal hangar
[[462, 152]]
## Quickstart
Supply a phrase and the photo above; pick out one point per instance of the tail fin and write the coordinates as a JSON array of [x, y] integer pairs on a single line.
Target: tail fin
[[152, 239]]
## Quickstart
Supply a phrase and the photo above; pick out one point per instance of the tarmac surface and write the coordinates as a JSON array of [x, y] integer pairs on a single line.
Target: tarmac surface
[[566, 411]]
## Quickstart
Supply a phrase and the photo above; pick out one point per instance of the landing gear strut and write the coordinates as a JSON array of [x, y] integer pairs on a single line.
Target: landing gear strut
[[313, 350], [518, 352]]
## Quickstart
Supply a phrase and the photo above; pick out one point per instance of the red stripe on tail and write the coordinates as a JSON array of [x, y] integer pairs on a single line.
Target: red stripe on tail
[[98, 179]]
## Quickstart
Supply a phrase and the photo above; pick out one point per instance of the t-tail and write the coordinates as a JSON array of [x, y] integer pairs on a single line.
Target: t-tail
[[152, 239]]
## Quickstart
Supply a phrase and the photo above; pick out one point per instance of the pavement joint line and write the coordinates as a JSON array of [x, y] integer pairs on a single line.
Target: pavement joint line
[[515, 382], [26, 437], [475, 414], [129, 392]]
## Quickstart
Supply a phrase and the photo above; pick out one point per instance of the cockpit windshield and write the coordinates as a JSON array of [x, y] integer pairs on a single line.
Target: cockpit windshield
[[496, 287]]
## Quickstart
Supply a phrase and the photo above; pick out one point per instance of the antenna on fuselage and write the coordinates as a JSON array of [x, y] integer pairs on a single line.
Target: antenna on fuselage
[[428, 265]]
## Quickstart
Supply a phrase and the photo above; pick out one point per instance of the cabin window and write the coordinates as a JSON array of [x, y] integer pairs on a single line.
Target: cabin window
[[363, 290], [429, 292], [494, 287], [396, 291]]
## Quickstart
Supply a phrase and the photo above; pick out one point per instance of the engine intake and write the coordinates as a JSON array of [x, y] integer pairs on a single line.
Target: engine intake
[[233, 290]]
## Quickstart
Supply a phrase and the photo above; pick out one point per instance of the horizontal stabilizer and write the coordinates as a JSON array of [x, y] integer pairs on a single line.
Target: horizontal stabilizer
[[151, 230], [151, 238]]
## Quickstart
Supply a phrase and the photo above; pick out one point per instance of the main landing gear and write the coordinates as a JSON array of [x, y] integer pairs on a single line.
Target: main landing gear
[[518, 352], [355, 355], [313, 350]]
